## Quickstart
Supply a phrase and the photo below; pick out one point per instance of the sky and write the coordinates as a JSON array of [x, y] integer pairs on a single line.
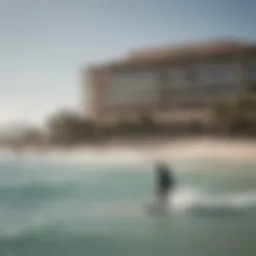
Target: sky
[[44, 44]]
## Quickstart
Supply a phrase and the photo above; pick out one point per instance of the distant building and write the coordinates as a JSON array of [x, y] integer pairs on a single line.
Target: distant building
[[178, 83]]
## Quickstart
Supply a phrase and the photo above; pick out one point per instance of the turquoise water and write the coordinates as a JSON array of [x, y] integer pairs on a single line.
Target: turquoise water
[[63, 209]]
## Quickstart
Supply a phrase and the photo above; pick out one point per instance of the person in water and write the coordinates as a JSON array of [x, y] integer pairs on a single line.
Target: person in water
[[164, 183]]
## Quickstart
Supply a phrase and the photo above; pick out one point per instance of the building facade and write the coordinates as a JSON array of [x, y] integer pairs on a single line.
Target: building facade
[[172, 84]]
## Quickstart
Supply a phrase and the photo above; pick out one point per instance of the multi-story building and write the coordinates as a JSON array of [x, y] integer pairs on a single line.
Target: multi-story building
[[178, 83]]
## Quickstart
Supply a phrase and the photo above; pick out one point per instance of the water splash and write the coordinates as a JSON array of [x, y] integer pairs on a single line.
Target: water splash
[[191, 199]]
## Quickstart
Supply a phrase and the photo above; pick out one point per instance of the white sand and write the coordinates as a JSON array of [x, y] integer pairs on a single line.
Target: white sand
[[151, 151]]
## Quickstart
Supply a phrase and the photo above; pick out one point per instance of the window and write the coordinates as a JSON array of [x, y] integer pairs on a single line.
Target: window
[[133, 88], [218, 74], [252, 77], [177, 78], [252, 74]]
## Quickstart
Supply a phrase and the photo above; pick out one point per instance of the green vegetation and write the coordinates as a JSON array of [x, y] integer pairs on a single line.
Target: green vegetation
[[237, 117], [66, 128]]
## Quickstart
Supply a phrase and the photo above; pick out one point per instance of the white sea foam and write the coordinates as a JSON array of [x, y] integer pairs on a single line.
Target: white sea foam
[[187, 199]]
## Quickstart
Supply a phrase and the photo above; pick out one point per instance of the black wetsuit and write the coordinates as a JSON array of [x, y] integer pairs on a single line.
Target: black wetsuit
[[165, 180]]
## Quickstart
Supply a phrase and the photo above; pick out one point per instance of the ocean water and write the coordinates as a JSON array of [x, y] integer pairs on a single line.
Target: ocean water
[[61, 208]]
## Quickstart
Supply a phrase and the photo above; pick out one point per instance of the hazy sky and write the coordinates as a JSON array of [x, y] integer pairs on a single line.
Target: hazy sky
[[43, 43]]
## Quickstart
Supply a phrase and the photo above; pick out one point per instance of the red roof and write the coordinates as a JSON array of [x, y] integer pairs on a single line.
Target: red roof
[[191, 50]]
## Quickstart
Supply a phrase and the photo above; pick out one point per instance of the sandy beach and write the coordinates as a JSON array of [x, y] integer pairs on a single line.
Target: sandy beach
[[117, 152]]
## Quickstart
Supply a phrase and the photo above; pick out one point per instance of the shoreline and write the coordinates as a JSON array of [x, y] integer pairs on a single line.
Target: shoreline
[[193, 148]]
